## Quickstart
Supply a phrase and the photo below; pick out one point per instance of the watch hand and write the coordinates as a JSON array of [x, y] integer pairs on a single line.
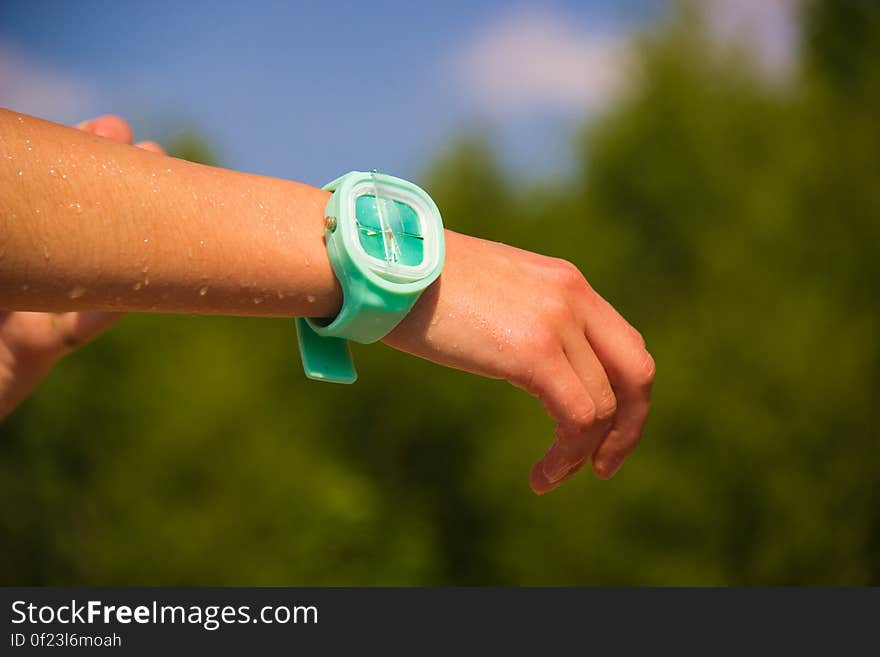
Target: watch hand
[[389, 241]]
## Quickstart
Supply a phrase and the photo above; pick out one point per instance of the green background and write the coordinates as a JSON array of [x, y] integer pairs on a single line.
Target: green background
[[733, 221]]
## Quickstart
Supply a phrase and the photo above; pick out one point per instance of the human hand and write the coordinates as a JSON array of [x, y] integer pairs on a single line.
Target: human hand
[[32, 342], [510, 314]]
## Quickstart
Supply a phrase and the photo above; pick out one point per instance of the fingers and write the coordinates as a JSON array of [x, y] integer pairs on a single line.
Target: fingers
[[539, 482], [630, 369], [74, 329], [109, 126], [578, 443], [112, 127], [567, 401], [622, 438], [151, 146], [592, 374]]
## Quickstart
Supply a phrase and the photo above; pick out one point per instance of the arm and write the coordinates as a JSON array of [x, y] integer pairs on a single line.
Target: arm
[[195, 239], [89, 224]]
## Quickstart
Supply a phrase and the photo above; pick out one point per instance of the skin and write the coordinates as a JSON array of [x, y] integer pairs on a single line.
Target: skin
[[91, 227]]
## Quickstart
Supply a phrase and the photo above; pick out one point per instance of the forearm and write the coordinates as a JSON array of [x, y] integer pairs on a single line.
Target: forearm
[[89, 224]]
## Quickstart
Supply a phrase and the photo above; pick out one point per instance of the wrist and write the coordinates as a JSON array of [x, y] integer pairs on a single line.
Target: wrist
[[276, 249], [420, 318], [385, 241], [318, 292]]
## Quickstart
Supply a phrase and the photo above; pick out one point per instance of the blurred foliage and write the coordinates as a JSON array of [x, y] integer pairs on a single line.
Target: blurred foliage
[[735, 222]]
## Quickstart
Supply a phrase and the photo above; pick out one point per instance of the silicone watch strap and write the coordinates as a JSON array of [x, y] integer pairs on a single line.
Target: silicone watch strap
[[367, 315], [324, 358]]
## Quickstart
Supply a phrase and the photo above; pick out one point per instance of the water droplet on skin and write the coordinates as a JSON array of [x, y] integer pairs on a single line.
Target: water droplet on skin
[[306, 262], [76, 292], [203, 291], [137, 286], [311, 298], [20, 173], [46, 253], [258, 300], [167, 170], [262, 207], [29, 148], [146, 240], [201, 242], [279, 294], [63, 176], [24, 288], [146, 281]]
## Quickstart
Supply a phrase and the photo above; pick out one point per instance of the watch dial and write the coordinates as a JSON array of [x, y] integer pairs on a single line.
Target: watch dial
[[389, 230]]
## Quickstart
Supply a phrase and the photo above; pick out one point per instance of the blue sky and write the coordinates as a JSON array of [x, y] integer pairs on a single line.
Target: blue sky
[[310, 90]]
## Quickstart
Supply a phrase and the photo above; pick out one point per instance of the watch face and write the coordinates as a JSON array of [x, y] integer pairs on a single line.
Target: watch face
[[395, 228], [389, 230]]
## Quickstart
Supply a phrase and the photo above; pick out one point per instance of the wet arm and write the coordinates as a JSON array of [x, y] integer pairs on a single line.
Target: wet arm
[[90, 224]]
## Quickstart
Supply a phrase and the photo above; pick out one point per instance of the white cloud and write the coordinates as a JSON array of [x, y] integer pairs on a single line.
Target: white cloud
[[545, 60], [542, 61], [29, 86], [769, 29]]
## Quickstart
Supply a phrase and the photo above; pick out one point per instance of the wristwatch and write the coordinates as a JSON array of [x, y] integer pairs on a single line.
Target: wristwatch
[[384, 237]]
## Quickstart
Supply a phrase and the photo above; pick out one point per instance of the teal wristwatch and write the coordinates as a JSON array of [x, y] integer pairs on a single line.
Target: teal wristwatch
[[385, 240]]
